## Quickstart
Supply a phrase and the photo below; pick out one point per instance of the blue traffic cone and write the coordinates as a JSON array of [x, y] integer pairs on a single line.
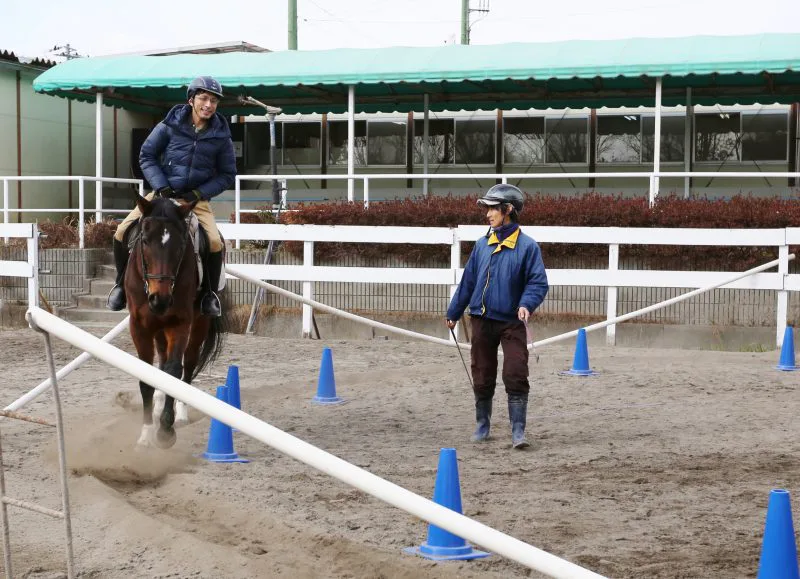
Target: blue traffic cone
[[232, 384], [778, 550], [443, 545], [220, 437], [786, 362], [326, 387], [580, 364]]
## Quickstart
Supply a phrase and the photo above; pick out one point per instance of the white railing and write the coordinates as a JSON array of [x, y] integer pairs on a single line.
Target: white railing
[[28, 269], [612, 277], [651, 177], [98, 201], [420, 507]]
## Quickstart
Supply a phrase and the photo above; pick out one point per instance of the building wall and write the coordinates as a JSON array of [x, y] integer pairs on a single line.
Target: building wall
[[45, 145]]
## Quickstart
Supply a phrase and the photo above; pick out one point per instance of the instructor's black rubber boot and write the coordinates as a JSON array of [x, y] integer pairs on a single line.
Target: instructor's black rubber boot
[[483, 416], [211, 306], [517, 412], [116, 297]]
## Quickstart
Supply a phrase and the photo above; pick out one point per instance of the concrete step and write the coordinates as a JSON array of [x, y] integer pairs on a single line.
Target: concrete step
[[93, 315], [91, 301], [100, 287]]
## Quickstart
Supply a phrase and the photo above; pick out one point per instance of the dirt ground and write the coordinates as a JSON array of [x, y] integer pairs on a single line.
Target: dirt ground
[[661, 466]]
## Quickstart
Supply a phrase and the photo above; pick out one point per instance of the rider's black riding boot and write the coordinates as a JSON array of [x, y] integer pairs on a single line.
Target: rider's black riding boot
[[483, 417], [210, 305], [116, 297], [517, 413]]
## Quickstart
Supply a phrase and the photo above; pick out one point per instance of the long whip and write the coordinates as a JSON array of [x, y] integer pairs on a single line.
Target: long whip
[[460, 353]]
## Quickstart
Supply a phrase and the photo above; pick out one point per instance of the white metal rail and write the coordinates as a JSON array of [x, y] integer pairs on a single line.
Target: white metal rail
[[327, 463]]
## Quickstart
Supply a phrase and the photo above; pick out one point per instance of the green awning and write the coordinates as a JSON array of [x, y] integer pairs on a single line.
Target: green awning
[[719, 69]]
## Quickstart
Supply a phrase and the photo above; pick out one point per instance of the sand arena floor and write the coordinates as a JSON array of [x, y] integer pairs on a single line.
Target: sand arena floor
[[659, 467]]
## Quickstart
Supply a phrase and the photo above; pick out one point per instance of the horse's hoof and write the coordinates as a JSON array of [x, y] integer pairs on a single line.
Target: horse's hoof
[[165, 438]]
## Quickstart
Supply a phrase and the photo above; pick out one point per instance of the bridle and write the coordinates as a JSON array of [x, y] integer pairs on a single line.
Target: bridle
[[158, 276]]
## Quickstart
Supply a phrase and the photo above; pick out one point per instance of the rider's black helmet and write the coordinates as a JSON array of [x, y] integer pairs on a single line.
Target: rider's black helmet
[[204, 83], [504, 193]]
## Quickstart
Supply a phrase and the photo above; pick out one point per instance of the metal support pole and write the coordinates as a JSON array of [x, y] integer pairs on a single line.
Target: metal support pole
[[273, 161], [425, 144], [62, 457], [98, 158], [657, 143], [351, 129], [4, 518], [5, 205], [687, 143], [782, 305], [455, 264], [33, 260]]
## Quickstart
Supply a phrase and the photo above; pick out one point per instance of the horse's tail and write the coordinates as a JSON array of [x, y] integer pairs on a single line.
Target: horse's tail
[[212, 345]]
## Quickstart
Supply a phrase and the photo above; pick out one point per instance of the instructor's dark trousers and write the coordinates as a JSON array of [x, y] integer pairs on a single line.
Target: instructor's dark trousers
[[487, 335]]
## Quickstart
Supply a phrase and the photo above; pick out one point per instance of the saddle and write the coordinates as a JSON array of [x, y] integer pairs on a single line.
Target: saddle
[[199, 242]]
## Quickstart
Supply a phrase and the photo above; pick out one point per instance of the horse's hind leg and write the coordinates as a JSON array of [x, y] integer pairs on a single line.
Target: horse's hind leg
[[190, 359]]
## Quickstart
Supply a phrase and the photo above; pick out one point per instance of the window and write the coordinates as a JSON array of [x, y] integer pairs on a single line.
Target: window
[[567, 140], [672, 137], [337, 152], [619, 139], [301, 143], [717, 137], [386, 143], [441, 139], [475, 142], [764, 136], [257, 144], [523, 140]]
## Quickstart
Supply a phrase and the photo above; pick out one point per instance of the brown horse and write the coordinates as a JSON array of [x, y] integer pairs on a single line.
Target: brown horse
[[161, 287]]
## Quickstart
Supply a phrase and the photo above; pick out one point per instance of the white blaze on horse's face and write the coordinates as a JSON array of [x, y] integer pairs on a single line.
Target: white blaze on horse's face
[[165, 237]]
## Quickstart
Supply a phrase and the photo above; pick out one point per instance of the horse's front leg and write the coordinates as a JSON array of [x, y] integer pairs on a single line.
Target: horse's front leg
[[177, 339], [143, 341]]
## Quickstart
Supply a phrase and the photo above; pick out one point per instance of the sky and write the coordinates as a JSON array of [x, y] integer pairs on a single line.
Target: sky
[[32, 28]]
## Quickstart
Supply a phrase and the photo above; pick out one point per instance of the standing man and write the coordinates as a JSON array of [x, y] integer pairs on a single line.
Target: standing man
[[188, 156], [503, 284]]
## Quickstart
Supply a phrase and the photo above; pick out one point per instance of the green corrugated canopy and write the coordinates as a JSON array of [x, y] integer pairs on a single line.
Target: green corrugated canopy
[[578, 73]]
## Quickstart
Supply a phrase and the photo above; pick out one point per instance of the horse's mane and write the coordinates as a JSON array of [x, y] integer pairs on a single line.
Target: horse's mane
[[163, 208]]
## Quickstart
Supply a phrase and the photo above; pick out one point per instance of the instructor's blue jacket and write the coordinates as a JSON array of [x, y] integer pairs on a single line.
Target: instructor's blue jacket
[[501, 277], [175, 156]]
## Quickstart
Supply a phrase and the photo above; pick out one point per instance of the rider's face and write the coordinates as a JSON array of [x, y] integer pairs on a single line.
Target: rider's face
[[204, 105]]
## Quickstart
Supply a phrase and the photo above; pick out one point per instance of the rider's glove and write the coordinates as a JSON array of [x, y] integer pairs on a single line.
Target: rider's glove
[[193, 195], [167, 192]]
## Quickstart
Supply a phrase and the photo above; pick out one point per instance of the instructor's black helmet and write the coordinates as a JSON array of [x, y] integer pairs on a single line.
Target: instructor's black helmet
[[504, 193], [204, 83]]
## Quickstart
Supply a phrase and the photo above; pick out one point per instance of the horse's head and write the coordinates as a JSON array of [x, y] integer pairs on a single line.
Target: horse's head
[[164, 244]]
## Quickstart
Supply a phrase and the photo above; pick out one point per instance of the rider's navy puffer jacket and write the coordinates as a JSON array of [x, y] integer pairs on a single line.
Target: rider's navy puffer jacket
[[175, 156]]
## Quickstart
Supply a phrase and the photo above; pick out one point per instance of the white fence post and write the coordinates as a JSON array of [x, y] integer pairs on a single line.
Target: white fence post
[[308, 289], [366, 192], [33, 260], [5, 205], [98, 159], [237, 207], [81, 191], [611, 305], [455, 264], [783, 295]]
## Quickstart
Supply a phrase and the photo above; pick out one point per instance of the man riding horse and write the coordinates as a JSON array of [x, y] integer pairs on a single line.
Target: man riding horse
[[188, 157]]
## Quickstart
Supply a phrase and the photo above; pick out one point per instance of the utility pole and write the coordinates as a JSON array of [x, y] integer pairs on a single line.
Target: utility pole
[[483, 6], [68, 52], [464, 21], [292, 24]]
